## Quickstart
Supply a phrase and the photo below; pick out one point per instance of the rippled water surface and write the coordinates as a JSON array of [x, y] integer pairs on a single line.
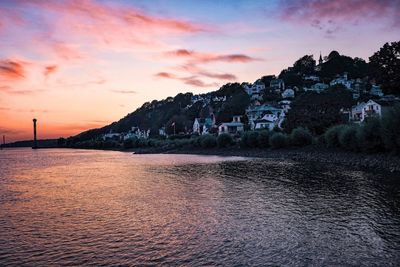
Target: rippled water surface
[[82, 207]]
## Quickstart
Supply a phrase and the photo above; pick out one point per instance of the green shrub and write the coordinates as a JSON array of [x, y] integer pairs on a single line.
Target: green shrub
[[141, 142], [249, 139], [348, 137], [321, 140], [263, 138], [391, 129], [208, 141], [195, 141], [301, 137], [224, 140], [128, 143], [278, 140], [369, 136], [332, 136]]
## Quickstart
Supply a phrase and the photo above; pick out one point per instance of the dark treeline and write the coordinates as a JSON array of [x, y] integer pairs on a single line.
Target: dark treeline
[[373, 136], [44, 143]]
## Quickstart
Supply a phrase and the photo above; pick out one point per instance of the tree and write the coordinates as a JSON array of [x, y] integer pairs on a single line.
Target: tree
[[385, 67], [304, 65], [318, 111]]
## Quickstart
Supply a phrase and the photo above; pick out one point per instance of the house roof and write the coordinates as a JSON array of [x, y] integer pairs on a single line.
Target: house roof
[[263, 121], [263, 108]]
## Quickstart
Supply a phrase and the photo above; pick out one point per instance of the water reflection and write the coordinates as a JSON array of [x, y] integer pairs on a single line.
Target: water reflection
[[107, 208]]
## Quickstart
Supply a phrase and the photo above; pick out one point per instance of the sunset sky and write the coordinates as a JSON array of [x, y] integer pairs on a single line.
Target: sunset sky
[[76, 65]]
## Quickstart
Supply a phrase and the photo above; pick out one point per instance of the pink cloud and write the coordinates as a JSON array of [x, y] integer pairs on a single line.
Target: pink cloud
[[110, 24], [198, 83], [48, 70], [12, 69], [124, 92], [166, 75], [196, 57], [223, 76], [191, 80], [329, 15]]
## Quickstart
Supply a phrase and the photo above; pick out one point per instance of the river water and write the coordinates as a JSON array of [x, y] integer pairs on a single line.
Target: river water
[[85, 207]]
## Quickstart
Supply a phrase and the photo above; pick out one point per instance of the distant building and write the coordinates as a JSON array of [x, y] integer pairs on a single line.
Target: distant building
[[278, 85], [162, 131], [111, 135], [219, 99], [135, 132], [203, 126], [365, 110], [234, 127], [268, 121], [319, 87], [255, 113], [288, 93], [314, 78], [285, 105], [255, 88], [342, 80], [376, 90]]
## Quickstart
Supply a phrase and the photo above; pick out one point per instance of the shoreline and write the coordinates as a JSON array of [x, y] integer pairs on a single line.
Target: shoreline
[[311, 154]]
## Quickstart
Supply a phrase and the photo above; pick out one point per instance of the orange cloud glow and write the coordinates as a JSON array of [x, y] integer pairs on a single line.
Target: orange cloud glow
[[12, 69], [49, 70]]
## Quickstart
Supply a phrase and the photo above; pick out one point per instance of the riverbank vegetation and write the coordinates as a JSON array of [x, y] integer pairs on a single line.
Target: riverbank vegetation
[[374, 135]]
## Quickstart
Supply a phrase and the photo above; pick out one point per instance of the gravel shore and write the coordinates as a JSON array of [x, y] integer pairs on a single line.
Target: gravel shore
[[377, 162]]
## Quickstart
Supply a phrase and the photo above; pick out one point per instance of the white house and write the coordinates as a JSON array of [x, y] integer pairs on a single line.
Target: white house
[[311, 77], [255, 88], [376, 90], [319, 87], [268, 121], [219, 99], [288, 93], [135, 132], [257, 112], [233, 127], [285, 105], [162, 131], [342, 80], [365, 110], [278, 85], [111, 135], [203, 126]]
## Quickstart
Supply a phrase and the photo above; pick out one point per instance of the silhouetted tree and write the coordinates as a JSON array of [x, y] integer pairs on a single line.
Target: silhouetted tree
[[385, 67], [318, 111]]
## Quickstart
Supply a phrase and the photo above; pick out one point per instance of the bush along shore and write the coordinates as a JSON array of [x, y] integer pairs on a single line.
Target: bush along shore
[[373, 144]]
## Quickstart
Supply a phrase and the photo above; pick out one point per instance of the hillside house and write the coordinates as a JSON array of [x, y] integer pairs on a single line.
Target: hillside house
[[203, 126], [319, 87], [365, 110], [278, 85], [376, 90], [234, 127], [285, 105], [288, 93], [311, 77], [257, 112], [135, 132], [111, 135], [162, 131], [342, 80], [268, 121], [256, 90]]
